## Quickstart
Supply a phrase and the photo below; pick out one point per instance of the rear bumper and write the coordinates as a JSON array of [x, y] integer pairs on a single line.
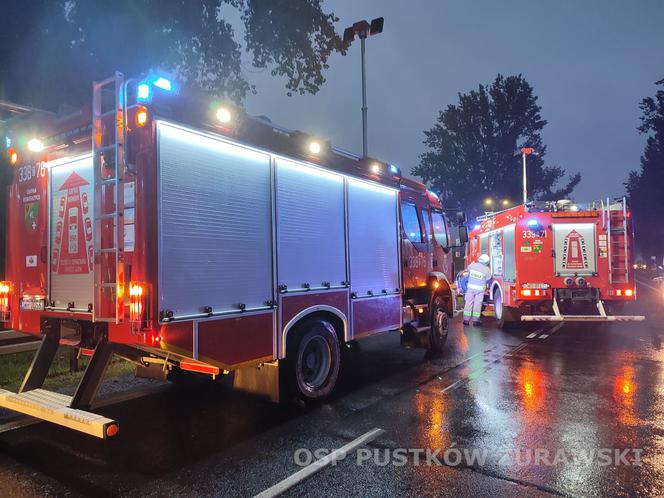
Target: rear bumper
[[582, 318]]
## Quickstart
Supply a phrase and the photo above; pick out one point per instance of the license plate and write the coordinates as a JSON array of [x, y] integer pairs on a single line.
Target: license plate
[[32, 304]]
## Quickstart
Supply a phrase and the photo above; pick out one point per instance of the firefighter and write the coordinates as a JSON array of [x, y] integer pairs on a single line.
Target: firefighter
[[479, 275]]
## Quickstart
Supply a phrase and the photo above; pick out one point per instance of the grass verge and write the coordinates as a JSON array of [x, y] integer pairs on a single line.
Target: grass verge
[[14, 366]]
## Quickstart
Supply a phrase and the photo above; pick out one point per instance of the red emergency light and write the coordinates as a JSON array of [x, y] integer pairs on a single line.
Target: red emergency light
[[139, 305], [533, 292]]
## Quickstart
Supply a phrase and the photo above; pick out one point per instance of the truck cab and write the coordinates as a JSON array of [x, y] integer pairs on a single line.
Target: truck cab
[[427, 256]]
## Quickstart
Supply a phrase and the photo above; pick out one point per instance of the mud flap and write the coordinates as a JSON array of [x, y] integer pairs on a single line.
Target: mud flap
[[261, 379]]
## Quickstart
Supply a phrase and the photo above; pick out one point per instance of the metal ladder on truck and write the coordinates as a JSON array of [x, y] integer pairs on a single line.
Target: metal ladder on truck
[[108, 121], [618, 240]]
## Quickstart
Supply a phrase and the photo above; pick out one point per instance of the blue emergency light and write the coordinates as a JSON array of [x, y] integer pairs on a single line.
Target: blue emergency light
[[163, 83], [143, 92], [144, 88], [533, 223]]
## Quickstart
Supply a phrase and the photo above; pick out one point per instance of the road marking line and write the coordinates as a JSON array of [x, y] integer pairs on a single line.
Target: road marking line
[[454, 385], [469, 358], [517, 349], [480, 371], [545, 331], [318, 465], [556, 328]]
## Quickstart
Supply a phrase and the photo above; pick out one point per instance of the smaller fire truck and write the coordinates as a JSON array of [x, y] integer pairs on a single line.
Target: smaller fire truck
[[558, 261], [174, 231]]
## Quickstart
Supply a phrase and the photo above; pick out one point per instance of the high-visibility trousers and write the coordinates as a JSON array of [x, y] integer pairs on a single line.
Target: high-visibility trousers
[[472, 308]]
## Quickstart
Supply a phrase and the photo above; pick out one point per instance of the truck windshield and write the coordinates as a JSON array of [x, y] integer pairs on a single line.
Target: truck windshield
[[439, 228]]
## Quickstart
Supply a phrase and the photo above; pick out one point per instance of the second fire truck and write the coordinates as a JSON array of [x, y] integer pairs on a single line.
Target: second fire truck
[[558, 261]]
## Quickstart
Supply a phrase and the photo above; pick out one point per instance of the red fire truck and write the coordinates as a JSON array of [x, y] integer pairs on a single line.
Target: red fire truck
[[558, 261], [184, 235]]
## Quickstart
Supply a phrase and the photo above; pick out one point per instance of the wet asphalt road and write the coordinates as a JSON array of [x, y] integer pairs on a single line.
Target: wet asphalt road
[[544, 408]]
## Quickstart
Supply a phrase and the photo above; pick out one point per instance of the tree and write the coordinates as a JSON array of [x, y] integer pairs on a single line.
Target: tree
[[645, 187], [51, 50], [472, 146]]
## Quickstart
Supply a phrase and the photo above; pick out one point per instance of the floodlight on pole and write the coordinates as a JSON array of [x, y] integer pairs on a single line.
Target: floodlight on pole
[[363, 29], [525, 151]]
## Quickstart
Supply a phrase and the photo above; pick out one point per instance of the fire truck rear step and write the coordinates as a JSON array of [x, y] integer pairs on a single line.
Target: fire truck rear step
[[60, 409], [55, 407], [602, 317], [582, 318]]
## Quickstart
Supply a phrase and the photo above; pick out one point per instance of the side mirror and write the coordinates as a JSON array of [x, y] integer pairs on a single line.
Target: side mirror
[[463, 234], [461, 219]]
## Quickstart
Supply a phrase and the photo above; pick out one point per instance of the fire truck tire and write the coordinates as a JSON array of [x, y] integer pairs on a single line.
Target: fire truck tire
[[312, 360], [506, 317], [440, 325]]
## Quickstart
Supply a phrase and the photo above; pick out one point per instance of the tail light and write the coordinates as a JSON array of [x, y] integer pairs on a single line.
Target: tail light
[[622, 292], [533, 293], [5, 301], [139, 305]]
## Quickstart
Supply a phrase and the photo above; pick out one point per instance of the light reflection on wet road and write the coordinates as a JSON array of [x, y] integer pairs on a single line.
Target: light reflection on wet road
[[580, 390]]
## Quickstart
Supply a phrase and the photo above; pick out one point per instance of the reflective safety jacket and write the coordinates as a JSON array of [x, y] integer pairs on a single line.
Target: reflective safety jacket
[[478, 276]]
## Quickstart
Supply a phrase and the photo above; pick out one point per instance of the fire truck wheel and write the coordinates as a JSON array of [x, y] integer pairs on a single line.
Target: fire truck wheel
[[314, 359], [440, 324], [504, 314]]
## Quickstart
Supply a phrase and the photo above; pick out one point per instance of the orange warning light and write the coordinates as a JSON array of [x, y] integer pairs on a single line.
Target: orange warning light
[[13, 156], [141, 116]]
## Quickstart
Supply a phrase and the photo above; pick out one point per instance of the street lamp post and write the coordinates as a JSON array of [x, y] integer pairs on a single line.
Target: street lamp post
[[365, 153], [363, 29]]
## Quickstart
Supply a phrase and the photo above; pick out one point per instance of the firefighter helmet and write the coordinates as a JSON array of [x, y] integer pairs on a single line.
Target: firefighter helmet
[[484, 259]]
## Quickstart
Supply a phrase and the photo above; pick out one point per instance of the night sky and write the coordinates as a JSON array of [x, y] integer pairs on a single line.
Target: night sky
[[590, 63]]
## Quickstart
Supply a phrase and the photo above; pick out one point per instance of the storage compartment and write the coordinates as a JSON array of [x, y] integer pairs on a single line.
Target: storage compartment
[[373, 239], [71, 238], [215, 224], [311, 245]]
